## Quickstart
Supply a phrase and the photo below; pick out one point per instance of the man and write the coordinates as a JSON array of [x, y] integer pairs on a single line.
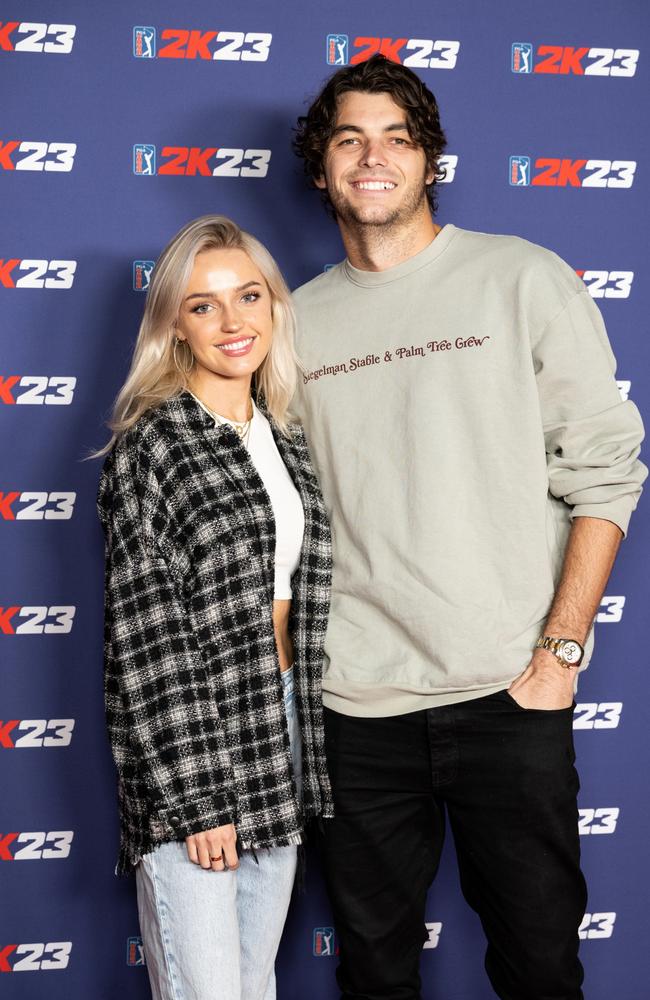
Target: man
[[480, 469]]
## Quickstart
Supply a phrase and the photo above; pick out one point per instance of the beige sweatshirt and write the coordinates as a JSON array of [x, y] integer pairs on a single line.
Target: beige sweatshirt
[[460, 408]]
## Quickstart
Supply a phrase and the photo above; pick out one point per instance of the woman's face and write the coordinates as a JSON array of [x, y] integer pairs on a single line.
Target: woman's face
[[225, 316]]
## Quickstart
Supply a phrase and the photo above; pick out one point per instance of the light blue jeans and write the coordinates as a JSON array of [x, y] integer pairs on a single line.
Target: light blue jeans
[[214, 935]]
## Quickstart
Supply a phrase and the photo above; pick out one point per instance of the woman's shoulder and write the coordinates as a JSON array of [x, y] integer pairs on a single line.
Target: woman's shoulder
[[156, 423]]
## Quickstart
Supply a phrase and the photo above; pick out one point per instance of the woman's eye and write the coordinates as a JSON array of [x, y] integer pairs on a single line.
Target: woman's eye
[[201, 309], [251, 297]]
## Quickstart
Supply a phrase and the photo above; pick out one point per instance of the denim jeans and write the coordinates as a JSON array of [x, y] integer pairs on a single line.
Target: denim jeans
[[214, 935], [504, 778]]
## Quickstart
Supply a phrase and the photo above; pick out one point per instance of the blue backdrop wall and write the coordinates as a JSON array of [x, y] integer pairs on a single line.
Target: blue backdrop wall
[[120, 122]]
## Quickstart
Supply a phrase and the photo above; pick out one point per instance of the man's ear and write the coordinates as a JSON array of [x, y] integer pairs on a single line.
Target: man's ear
[[320, 182]]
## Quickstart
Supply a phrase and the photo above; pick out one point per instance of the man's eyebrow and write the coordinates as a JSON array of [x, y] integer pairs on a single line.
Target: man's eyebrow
[[213, 295], [394, 127]]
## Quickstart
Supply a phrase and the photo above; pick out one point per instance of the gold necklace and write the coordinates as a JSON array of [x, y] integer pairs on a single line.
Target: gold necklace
[[241, 428]]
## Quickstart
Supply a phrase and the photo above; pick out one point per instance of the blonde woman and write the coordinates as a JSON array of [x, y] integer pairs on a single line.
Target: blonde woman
[[217, 582]]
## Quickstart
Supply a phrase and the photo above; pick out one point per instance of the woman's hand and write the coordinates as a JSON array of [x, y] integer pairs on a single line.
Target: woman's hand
[[214, 849]]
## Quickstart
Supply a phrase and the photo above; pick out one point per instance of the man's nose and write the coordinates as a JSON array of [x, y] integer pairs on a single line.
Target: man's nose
[[373, 153]]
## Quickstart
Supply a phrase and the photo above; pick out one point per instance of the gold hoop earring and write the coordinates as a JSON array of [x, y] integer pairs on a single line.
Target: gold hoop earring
[[183, 371]]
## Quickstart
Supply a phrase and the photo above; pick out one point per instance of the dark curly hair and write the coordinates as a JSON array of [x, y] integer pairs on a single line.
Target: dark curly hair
[[378, 75]]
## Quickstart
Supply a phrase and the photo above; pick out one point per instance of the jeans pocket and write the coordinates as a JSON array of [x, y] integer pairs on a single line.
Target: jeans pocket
[[534, 711]]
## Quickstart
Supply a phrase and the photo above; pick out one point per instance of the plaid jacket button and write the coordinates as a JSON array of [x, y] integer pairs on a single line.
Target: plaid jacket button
[[174, 820]]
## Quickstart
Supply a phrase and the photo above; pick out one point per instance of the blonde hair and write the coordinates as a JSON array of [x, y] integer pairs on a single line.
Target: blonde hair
[[154, 375]]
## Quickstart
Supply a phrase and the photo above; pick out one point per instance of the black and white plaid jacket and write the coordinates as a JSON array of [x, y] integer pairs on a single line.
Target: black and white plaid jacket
[[194, 699]]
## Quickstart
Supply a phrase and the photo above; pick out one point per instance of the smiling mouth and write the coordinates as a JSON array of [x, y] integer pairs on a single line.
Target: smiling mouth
[[374, 185], [236, 346]]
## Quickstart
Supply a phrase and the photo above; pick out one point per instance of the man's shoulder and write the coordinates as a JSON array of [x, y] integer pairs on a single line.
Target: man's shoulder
[[515, 256]]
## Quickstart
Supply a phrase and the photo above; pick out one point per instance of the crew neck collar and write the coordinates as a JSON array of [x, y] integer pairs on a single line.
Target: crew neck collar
[[371, 279]]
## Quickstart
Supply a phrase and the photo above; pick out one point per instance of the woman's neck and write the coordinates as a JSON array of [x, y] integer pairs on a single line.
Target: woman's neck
[[230, 398]]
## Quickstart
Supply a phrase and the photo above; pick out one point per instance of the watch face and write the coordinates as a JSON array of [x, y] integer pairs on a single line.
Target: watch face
[[571, 652]]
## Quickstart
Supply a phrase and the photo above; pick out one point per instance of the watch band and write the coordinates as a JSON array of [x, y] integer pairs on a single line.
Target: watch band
[[568, 652]]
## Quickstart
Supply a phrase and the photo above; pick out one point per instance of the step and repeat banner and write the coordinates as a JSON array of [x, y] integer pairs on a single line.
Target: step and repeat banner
[[122, 121]]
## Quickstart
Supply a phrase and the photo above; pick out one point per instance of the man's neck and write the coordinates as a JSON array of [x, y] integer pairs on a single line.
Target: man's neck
[[376, 248]]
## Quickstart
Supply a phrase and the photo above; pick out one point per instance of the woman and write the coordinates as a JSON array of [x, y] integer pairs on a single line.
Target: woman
[[217, 578]]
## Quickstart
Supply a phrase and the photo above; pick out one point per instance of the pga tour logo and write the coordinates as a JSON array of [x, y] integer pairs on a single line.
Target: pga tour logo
[[337, 47], [135, 952], [144, 159], [522, 57], [142, 274], [324, 943], [144, 43], [520, 171]]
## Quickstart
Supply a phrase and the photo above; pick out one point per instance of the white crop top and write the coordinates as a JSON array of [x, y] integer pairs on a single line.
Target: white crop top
[[285, 499]]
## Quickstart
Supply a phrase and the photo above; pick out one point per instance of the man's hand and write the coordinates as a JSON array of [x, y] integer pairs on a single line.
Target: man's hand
[[588, 560], [214, 849], [544, 684]]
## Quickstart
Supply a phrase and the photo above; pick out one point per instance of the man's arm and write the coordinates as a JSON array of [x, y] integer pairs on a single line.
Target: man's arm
[[590, 554]]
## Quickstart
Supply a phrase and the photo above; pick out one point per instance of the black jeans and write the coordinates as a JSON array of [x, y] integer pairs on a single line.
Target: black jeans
[[504, 775]]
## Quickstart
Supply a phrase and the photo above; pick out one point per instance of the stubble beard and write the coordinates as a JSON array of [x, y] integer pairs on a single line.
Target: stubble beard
[[377, 217]]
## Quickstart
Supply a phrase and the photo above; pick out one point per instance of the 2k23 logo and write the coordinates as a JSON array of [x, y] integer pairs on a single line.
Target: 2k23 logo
[[567, 60], [56, 620], [434, 929], [35, 957], [212, 161], [40, 273], [37, 846], [608, 284], [181, 43], [597, 715], [37, 733], [427, 53], [597, 821], [597, 925], [611, 609], [36, 506], [57, 390], [55, 38], [26, 154], [553, 172]]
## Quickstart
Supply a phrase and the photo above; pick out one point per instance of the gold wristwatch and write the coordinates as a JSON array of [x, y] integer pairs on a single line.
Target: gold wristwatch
[[568, 652]]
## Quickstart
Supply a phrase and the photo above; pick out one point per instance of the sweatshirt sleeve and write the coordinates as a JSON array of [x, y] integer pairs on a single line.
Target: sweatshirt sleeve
[[160, 708], [592, 436]]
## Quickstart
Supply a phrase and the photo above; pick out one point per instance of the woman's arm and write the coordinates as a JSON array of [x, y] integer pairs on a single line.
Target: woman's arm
[[160, 704]]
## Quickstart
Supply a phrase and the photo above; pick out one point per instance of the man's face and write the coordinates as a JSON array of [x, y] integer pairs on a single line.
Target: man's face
[[375, 174]]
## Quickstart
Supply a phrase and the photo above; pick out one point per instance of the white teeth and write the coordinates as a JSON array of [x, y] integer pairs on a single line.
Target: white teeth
[[236, 346], [375, 185]]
